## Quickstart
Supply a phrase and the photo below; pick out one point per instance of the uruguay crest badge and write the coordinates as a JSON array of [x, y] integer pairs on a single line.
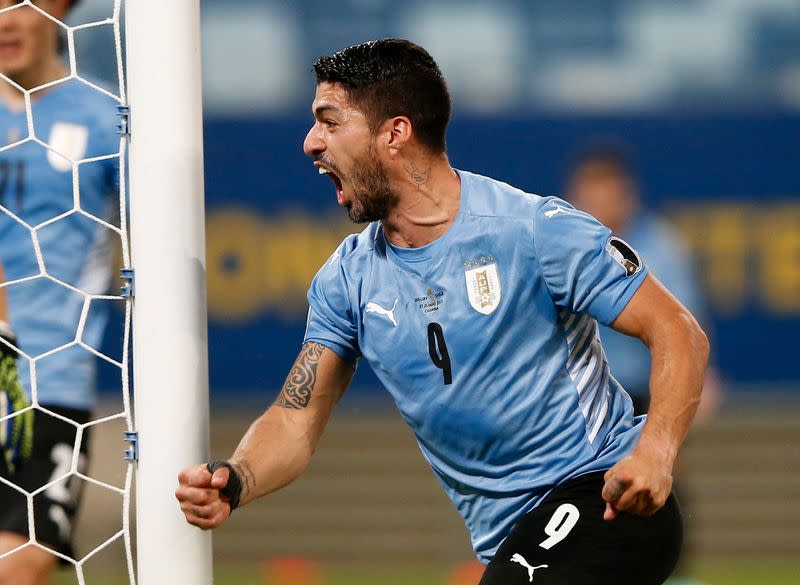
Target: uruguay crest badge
[[483, 288], [68, 142]]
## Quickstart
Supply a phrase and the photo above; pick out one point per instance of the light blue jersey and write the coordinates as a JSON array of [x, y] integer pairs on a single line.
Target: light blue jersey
[[36, 185], [487, 340]]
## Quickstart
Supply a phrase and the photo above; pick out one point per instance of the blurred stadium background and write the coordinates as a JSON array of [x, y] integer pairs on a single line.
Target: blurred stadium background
[[706, 93]]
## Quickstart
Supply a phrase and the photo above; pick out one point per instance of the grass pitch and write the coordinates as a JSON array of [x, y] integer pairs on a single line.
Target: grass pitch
[[751, 572]]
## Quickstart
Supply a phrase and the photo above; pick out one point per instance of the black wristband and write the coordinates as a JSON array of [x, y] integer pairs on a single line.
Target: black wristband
[[233, 489]]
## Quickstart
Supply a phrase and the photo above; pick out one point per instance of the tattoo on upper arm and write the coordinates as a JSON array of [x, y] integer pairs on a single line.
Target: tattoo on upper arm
[[300, 382]]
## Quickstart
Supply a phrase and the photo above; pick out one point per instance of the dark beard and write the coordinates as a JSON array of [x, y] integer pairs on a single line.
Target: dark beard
[[371, 191]]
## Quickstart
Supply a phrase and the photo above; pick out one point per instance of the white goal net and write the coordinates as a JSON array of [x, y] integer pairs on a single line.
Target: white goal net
[[85, 296]]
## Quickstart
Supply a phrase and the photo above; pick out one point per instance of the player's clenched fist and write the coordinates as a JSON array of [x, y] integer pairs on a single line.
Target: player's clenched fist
[[208, 493], [638, 485]]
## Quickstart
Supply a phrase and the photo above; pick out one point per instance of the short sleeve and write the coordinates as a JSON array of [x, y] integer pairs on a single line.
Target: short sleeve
[[330, 317], [587, 269]]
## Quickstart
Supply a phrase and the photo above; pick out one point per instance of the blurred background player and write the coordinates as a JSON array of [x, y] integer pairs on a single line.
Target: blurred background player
[[36, 185], [602, 182]]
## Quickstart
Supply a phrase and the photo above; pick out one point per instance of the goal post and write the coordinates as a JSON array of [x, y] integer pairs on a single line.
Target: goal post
[[170, 363]]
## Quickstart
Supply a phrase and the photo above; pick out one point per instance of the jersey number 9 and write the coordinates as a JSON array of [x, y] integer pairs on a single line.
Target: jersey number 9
[[437, 349]]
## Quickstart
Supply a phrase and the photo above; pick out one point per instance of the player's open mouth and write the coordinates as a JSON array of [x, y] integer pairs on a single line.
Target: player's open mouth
[[337, 183], [10, 48]]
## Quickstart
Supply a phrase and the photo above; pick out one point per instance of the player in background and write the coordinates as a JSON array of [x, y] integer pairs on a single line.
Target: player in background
[[35, 186], [602, 182], [477, 306]]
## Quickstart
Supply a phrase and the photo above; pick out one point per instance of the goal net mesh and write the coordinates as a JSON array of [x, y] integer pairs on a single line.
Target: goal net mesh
[[72, 469]]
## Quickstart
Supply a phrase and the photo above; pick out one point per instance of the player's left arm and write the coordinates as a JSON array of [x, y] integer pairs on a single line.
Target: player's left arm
[[641, 483]]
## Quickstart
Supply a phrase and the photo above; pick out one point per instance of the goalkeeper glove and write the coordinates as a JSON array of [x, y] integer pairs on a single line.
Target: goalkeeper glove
[[16, 433]]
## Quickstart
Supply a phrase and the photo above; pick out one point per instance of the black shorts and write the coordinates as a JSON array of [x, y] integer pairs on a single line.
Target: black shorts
[[54, 509], [565, 541]]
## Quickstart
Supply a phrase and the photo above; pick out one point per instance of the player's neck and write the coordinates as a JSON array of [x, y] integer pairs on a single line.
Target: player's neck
[[39, 74], [428, 198]]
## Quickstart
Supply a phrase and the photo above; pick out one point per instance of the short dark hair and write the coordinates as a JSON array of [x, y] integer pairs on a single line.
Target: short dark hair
[[63, 44], [392, 77], [610, 154]]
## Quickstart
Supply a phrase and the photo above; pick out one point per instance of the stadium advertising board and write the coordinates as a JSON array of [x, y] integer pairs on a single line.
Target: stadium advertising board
[[731, 185]]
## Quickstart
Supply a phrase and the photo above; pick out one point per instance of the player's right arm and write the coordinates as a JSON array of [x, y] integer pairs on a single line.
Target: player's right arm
[[279, 444]]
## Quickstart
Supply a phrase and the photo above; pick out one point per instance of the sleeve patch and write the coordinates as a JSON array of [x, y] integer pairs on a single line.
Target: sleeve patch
[[624, 255]]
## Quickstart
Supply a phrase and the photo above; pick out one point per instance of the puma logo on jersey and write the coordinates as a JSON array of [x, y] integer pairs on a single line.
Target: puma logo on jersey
[[554, 212], [518, 558], [388, 313]]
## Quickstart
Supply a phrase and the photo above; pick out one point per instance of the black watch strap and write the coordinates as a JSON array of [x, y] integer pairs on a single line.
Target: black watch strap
[[233, 489]]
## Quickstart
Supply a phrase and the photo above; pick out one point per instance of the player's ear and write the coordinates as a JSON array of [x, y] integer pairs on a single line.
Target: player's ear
[[398, 132]]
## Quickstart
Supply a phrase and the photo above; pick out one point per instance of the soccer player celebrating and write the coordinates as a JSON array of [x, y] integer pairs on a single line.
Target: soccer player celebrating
[[36, 184], [477, 306]]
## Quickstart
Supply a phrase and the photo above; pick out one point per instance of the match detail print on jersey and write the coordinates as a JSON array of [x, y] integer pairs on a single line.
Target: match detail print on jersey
[[624, 255], [483, 288]]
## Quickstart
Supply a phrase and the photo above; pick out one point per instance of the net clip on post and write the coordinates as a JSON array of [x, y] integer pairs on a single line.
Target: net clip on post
[[128, 288], [132, 452], [124, 124]]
